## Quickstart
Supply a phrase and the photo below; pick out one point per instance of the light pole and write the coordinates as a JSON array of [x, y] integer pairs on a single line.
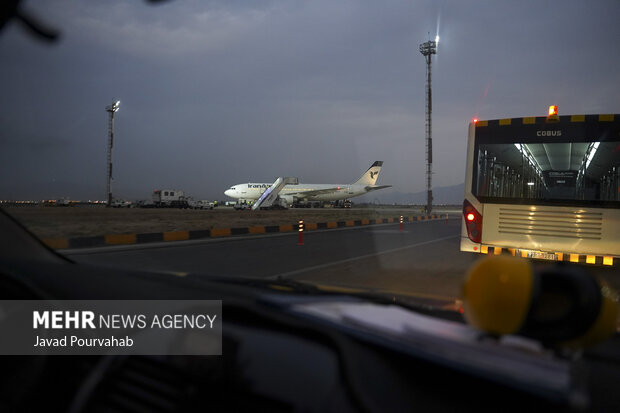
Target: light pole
[[428, 49], [111, 109]]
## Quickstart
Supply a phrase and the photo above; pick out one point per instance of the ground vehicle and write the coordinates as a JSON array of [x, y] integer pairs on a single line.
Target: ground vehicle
[[279, 203], [241, 205], [172, 198], [204, 204], [143, 203], [307, 204], [120, 203], [345, 203], [544, 187]]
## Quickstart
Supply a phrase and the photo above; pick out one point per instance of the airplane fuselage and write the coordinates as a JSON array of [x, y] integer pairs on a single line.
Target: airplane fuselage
[[309, 192], [252, 191]]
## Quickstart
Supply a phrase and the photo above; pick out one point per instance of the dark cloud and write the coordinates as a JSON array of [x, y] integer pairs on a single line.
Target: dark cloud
[[217, 92]]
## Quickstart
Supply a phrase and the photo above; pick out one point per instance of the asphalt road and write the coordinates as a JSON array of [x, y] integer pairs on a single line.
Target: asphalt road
[[422, 260]]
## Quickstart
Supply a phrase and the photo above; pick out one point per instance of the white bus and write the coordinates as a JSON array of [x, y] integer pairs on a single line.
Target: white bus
[[544, 188]]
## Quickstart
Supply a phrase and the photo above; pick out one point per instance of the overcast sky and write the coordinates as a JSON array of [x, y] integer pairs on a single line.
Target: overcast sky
[[215, 93]]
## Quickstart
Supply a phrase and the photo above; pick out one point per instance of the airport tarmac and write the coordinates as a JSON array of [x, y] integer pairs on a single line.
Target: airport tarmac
[[422, 260], [84, 221]]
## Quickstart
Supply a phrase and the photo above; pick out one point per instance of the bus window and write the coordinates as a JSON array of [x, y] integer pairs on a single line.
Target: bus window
[[553, 171]]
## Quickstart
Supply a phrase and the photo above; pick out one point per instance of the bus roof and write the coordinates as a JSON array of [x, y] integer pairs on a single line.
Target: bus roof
[[543, 120]]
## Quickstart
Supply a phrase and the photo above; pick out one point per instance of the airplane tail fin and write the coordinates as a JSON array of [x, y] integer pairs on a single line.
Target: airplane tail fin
[[370, 176]]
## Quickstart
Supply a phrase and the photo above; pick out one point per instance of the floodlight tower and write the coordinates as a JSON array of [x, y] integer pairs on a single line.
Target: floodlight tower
[[111, 109], [428, 49]]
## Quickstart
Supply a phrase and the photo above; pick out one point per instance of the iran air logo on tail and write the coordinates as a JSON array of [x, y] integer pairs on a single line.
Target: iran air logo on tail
[[373, 174]]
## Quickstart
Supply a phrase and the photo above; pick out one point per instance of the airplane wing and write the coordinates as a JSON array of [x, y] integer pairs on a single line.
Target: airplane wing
[[375, 187], [315, 192], [330, 190]]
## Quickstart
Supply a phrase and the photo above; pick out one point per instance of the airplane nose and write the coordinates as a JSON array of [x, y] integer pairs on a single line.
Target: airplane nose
[[228, 192]]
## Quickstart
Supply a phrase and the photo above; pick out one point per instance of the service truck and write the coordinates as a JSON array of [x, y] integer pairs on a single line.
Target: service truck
[[169, 198]]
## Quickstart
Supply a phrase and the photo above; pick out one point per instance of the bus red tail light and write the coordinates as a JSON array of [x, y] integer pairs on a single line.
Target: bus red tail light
[[473, 221]]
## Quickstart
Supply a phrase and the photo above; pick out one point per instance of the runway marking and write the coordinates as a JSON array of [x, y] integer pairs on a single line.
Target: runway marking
[[352, 259]]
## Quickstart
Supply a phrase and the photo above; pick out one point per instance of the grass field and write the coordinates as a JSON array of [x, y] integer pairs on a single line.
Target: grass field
[[80, 221]]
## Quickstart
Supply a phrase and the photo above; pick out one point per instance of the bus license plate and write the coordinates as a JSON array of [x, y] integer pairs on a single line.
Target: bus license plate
[[542, 255]]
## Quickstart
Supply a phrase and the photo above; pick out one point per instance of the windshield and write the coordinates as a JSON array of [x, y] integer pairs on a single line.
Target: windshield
[[304, 168], [304, 141], [576, 172]]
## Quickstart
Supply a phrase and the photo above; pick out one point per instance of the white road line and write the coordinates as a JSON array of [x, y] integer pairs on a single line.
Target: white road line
[[361, 257]]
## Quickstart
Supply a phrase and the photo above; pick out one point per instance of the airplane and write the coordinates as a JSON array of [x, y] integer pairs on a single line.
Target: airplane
[[312, 192]]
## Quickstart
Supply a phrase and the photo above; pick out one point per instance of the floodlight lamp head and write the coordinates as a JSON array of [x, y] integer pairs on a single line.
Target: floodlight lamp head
[[114, 107], [428, 48]]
